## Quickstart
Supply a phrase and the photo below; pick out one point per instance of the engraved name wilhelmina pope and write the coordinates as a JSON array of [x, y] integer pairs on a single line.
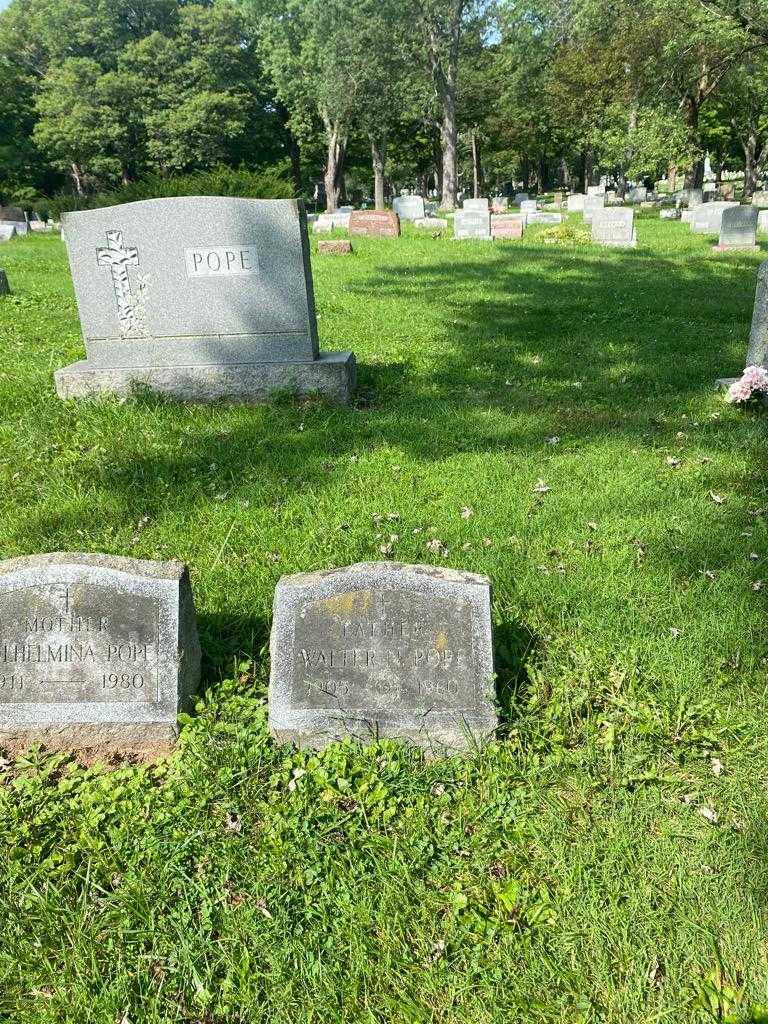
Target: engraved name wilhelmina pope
[[198, 298]]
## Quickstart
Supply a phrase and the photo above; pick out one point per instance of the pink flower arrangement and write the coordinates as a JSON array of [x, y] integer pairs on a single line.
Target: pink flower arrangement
[[754, 380]]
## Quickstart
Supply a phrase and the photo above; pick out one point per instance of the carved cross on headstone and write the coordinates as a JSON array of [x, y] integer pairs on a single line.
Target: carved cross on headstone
[[118, 259]]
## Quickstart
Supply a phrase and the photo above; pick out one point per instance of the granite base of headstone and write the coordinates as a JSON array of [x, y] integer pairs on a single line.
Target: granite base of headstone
[[95, 651], [382, 650], [198, 299], [5, 288], [374, 224], [335, 247], [738, 227]]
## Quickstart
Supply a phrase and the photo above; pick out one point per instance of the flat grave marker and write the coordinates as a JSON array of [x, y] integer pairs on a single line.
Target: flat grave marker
[[382, 649], [375, 223], [95, 649]]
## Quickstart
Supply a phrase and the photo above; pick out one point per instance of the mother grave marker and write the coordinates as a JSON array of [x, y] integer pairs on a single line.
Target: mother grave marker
[[95, 649]]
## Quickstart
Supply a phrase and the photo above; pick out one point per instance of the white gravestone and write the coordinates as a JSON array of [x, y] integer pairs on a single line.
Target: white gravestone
[[614, 227], [409, 207], [738, 226]]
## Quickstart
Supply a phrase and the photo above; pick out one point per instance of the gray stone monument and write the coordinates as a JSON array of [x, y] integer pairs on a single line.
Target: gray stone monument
[[614, 227], [95, 650], [199, 299], [384, 650], [7, 232], [472, 224], [760, 198], [738, 227], [5, 288], [592, 203], [528, 207], [669, 214], [762, 221], [409, 207], [707, 217], [475, 204], [520, 197], [757, 348], [14, 215], [576, 202]]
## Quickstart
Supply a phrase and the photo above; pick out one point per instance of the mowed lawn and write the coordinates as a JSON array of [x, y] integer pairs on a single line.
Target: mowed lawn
[[546, 413]]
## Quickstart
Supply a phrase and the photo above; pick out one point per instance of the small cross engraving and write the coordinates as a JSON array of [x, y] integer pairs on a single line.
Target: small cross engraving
[[118, 259]]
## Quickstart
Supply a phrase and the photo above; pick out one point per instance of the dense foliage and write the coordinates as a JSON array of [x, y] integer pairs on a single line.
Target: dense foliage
[[359, 98]]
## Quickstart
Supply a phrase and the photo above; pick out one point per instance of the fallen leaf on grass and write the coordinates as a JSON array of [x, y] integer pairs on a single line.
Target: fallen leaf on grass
[[466, 511], [673, 462], [709, 814], [716, 766], [717, 498]]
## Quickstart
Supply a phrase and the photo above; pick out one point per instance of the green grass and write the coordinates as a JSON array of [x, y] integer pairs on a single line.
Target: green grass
[[565, 874]]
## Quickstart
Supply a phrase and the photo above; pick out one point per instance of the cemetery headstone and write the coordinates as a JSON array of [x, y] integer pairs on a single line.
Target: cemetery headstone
[[615, 227], [384, 650], [541, 217], [335, 247], [431, 223], [707, 217], [595, 190], [576, 202], [198, 298], [408, 207], [7, 232], [505, 225], [760, 199], [475, 204], [762, 221], [738, 226], [5, 288], [637, 195], [472, 224], [686, 216], [378, 223], [14, 215], [591, 204], [757, 349], [95, 650], [558, 198], [669, 214], [695, 197], [528, 207], [520, 197]]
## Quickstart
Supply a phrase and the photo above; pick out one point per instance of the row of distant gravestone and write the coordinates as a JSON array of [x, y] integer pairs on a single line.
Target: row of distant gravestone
[[97, 650]]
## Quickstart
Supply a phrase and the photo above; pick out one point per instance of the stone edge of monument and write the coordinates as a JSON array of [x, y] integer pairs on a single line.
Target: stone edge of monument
[[113, 735], [315, 727], [333, 375]]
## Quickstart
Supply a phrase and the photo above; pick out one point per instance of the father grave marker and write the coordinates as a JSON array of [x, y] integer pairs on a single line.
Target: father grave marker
[[382, 649]]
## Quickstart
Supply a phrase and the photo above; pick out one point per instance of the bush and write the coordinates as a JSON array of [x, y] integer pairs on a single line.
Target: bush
[[269, 183]]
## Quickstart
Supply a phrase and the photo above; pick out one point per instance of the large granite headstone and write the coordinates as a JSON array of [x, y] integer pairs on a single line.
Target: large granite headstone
[[707, 217], [7, 232], [14, 215], [383, 650], [615, 227], [592, 203], [576, 202], [408, 207], [738, 227], [757, 349], [475, 204], [199, 299], [472, 224], [95, 650], [377, 223], [507, 225]]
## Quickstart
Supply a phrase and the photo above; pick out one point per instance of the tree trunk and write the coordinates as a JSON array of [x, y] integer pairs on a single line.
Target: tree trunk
[[694, 176], [672, 177], [294, 154], [477, 169], [77, 178], [448, 139], [526, 170], [379, 160], [336, 145]]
